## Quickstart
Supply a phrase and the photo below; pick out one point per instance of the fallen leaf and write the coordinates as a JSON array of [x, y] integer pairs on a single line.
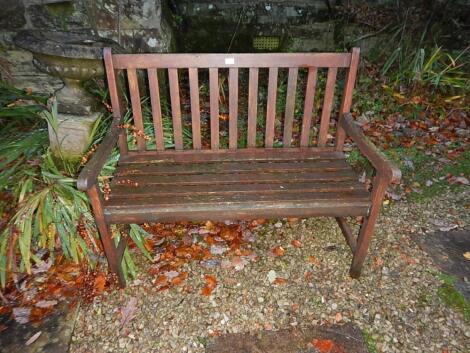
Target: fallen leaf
[[211, 283], [313, 260], [99, 284], [467, 255], [296, 243], [278, 251], [45, 303], [21, 314], [327, 346], [338, 317], [280, 281], [128, 312], [33, 338]]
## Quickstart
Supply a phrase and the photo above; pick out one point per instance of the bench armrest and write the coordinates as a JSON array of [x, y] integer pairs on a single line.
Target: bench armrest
[[89, 174], [383, 166]]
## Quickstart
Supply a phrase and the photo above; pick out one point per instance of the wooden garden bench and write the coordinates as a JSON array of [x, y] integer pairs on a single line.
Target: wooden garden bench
[[197, 183]]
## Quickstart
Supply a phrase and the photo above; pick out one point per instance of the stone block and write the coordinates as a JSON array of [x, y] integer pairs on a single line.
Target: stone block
[[73, 134]]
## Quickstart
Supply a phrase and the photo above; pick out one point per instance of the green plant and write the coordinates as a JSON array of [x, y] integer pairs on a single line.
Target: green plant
[[452, 297], [429, 66], [50, 213]]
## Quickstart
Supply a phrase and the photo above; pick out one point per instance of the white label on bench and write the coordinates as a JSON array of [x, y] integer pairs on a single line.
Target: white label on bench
[[229, 61]]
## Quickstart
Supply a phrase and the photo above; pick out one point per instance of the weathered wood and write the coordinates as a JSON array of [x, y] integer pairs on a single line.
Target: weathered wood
[[195, 110], [327, 106], [105, 235], [367, 227], [156, 109], [229, 167], [252, 107], [136, 108], [144, 61], [175, 108], [271, 107], [290, 106], [214, 106], [88, 176], [248, 177], [285, 210], [347, 96], [308, 107], [233, 107], [238, 155], [347, 232], [383, 166], [233, 183], [129, 191], [116, 101]]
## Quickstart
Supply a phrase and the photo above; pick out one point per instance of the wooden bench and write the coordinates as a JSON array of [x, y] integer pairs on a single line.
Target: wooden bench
[[198, 182]]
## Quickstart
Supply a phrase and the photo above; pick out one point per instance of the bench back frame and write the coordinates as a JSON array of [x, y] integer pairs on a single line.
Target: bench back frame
[[233, 62]]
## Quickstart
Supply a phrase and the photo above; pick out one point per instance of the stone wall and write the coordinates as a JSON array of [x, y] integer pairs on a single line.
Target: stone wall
[[137, 25], [304, 25]]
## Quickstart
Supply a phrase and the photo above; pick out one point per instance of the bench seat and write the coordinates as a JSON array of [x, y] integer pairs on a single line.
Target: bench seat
[[321, 184]]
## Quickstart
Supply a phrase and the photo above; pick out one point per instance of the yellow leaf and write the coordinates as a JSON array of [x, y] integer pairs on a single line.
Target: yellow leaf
[[467, 255]]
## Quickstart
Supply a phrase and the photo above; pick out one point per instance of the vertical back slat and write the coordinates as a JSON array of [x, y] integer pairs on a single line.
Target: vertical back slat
[[195, 110], [233, 108], [136, 108], [156, 108], [308, 106], [347, 96], [271, 107], [290, 106], [175, 108], [252, 107], [116, 102], [214, 106], [327, 106]]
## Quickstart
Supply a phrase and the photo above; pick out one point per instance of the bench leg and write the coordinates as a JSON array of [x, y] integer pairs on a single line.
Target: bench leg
[[367, 227], [113, 255]]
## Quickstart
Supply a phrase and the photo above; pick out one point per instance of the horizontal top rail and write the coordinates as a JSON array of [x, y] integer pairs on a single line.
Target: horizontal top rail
[[167, 61]]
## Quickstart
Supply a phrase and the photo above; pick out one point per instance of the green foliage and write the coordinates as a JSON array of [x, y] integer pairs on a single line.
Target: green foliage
[[435, 67], [452, 297], [370, 342]]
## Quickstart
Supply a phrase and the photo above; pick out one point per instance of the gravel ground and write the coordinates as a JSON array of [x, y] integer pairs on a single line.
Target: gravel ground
[[395, 301]]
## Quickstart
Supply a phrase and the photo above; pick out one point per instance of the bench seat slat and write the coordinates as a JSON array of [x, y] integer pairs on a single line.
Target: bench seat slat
[[235, 178], [243, 154], [231, 167], [123, 191]]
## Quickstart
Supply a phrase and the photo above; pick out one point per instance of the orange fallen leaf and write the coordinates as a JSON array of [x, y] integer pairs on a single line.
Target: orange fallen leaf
[[327, 346], [296, 243], [292, 220], [161, 280], [313, 260], [338, 317], [99, 284], [211, 283], [278, 251], [280, 281]]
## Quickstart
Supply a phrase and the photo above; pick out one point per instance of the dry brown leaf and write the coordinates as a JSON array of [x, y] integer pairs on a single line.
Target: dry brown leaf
[[278, 251], [211, 283], [280, 281], [313, 260], [296, 243], [99, 284]]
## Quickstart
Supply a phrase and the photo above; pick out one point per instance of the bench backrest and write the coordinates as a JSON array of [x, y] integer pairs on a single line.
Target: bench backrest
[[170, 69]]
